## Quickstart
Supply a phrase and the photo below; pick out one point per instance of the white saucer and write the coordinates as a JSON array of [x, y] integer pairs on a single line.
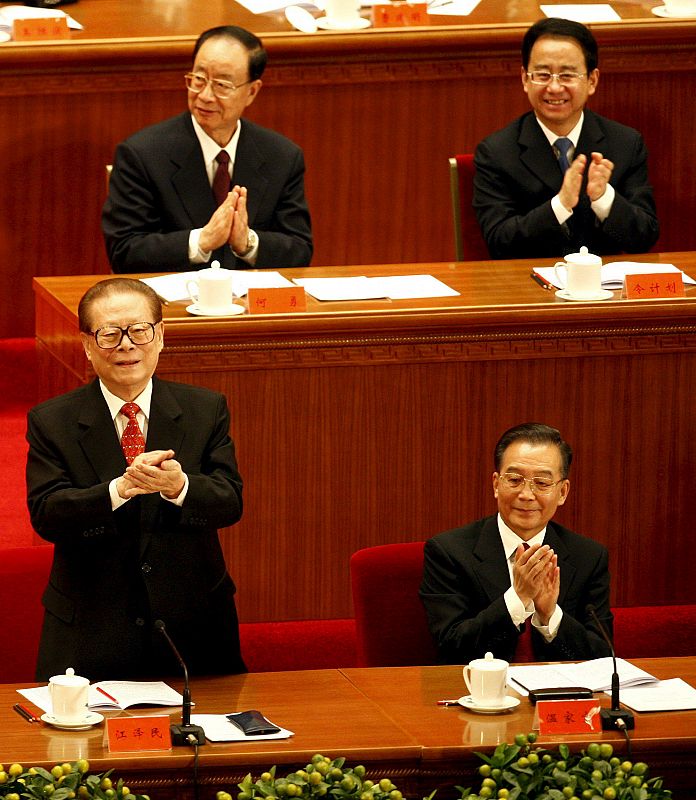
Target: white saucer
[[5, 36], [663, 11], [328, 24], [603, 294], [91, 718], [231, 311], [301, 19], [508, 704]]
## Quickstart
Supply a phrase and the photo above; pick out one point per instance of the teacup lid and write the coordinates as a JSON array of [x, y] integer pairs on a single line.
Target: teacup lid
[[489, 662], [584, 258], [215, 272], [69, 679]]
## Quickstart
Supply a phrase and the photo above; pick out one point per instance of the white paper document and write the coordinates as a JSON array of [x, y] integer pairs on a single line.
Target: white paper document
[[582, 12], [9, 14], [219, 729], [612, 274], [174, 287], [595, 675], [395, 287], [670, 695], [454, 8], [124, 693]]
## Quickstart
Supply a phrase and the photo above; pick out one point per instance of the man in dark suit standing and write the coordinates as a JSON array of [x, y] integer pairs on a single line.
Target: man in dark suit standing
[[135, 527], [560, 177], [485, 583], [207, 184]]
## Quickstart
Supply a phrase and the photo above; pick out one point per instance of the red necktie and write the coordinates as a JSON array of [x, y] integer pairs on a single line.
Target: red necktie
[[524, 651], [132, 441], [221, 179]]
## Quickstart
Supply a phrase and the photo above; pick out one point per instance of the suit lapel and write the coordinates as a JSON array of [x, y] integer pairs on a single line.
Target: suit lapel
[[492, 569], [249, 166], [537, 155], [98, 438], [591, 135], [189, 176], [568, 569]]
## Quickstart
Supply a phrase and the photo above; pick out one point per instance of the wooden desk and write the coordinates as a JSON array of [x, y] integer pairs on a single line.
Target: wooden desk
[[372, 422], [385, 718], [377, 113]]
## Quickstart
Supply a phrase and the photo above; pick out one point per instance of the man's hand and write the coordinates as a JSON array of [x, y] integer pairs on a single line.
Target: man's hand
[[569, 195], [151, 473], [547, 591], [529, 570], [218, 229], [239, 231], [598, 175]]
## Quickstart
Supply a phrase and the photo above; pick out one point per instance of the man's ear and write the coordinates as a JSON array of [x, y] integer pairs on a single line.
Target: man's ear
[[86, 341], [254, 89]]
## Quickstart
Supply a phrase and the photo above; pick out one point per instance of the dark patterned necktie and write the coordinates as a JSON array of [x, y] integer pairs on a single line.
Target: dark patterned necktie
[[563, 146], [132, 440], [524, 651], [221, 179]]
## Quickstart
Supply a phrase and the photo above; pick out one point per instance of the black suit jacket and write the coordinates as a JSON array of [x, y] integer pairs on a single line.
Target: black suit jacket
[[465, 576], [159, 191], [517, 175], [115, 572]]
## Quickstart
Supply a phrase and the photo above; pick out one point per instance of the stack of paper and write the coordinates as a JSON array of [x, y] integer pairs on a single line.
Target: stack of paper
[[114, 695], [595, 675], [219, 729]]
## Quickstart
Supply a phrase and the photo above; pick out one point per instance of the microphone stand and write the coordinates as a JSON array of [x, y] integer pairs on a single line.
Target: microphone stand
[[184, 733], [614, 718]]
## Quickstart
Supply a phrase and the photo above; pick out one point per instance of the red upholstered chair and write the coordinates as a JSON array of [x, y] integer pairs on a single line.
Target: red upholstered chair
[[390, 621], [468, 241], [23, 577], [655, 631]]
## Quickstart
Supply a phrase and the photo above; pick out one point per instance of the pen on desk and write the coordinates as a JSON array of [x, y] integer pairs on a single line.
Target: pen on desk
[[106, 694], [541, 281], [448, 702], [23, 712]]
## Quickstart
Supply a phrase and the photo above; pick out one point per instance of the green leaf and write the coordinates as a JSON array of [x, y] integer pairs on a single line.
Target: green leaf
[[564, 750]]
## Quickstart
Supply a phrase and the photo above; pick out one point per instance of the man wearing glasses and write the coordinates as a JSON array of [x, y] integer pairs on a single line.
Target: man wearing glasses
[[207, 184], [130, 477], [485, 584], [560, 177]]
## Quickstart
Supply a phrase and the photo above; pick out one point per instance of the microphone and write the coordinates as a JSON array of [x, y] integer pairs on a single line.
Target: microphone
[[184, 733], [614, 718]]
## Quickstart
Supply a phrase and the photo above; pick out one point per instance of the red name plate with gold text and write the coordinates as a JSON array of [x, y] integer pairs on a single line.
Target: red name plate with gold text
[[40, 30], [568, 716], [653, 285], [279, 300], [399, 15], [135, 734]]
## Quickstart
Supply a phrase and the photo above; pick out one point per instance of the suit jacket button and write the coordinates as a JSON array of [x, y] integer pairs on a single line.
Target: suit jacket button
[[146, 569], [140, 621]]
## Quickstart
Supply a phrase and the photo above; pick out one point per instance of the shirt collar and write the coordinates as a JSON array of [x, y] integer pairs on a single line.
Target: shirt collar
[[511, 541], [211, 148], [574, 135], [144, 400]]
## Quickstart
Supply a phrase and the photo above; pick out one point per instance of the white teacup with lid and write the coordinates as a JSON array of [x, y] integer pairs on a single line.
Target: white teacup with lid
[[69, 695], [486, 679], [583, 277], [211, 289]]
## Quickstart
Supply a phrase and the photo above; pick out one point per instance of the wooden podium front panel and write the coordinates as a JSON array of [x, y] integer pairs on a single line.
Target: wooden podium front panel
[[372, 422]]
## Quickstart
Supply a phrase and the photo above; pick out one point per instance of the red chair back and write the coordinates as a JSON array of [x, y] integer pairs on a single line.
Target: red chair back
[[390, 621], [655, 631], [24, 574], [468, 241]]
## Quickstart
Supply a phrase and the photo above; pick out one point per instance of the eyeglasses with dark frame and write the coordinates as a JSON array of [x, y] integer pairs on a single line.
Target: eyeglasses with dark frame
[[196, 83], [543, 77], [538, 485], [111, 336]]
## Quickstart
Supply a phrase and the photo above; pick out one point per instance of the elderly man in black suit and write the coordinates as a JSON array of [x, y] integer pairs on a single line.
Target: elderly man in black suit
[[485, 583], [207, 184], [135, 525], [560, 177]]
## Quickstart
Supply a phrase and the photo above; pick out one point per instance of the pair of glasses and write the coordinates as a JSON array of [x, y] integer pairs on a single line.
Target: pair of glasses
[[111, 336], [543, 78], [515, 482], [196, 83]]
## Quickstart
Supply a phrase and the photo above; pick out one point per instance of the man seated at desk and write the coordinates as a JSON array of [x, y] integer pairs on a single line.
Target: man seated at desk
[[207, 184], [485, 583], [561, 176]]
